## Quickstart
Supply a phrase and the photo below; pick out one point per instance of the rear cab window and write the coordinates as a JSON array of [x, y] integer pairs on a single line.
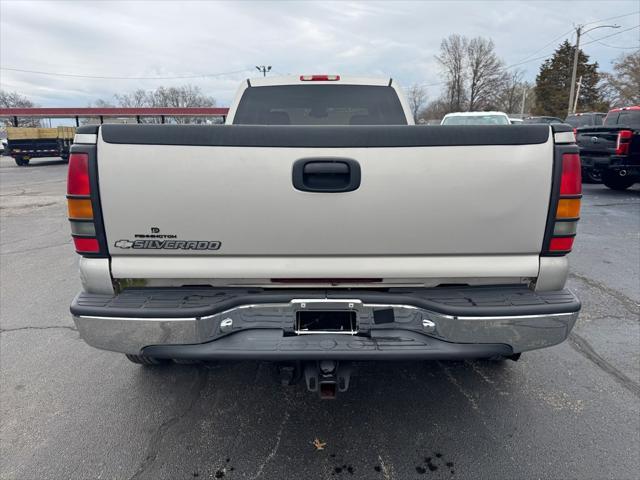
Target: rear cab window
[[626, 118], [583, 120], [320, 105], [476, 120]]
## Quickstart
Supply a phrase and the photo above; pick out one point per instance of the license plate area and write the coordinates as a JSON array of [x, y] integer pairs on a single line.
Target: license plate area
[[326, 321]]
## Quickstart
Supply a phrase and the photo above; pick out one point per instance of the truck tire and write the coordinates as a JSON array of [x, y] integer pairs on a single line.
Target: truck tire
[[616, 182], [21, 161], [590, 175], [145, 360]]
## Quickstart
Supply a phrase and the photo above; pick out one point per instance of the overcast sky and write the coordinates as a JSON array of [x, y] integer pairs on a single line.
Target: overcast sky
[[182, 38]]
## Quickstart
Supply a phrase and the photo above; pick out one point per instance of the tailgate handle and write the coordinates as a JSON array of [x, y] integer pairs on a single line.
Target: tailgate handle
[[329, 175]]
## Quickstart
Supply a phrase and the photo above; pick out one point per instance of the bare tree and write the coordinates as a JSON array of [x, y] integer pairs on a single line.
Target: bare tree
[[417, 96], [622, 87], [15, 100], [452, 58], [176, 97], [136, 99], [510, 97], [102, 104], [512, 93], [435, 110], [485, 73]]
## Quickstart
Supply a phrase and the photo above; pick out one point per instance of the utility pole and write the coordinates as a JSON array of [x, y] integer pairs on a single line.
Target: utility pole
[[264, 69], [576, 52], [524, 96], [574, 71], [575, 102]]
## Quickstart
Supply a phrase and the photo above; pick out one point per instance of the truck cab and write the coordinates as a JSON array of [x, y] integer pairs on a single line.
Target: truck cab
[[319, 100]]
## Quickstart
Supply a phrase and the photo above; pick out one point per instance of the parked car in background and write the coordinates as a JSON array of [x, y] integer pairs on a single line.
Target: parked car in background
[[3, 146], [320, 226], [476, 118], [611, 152], [542, 120], [587, 119], [515, 121]]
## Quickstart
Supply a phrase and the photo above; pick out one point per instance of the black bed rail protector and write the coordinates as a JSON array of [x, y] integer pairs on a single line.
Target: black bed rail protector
[[561, 127], [198, 302], [88, 129], [329, 136]]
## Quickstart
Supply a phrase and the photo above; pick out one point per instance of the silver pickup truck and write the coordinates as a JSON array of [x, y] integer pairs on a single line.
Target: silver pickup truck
[[320, 227]]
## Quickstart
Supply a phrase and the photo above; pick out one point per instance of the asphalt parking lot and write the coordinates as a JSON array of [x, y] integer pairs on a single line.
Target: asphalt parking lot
[[70, 411]]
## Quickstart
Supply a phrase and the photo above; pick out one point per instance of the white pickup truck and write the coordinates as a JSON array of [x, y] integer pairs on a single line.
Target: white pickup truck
[[320, 227]]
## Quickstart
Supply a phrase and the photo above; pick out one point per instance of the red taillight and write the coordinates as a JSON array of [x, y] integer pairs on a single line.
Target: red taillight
[[568, 206], [78, 175], [88, 245], [319, 78], [561, 244], [571, 181], [80, 205], [624, 140]]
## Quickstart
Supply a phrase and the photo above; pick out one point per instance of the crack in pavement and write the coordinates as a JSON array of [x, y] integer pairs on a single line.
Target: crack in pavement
[[612, 204], [26, 250], [14, 194], [628, 303], [276, 446], [29, 205], [31, 184], [49, 327], [583, 347], [39, 235], [154, 442]]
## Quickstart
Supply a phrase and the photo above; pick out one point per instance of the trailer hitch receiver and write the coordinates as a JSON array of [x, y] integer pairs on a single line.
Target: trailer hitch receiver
[[327, 377]]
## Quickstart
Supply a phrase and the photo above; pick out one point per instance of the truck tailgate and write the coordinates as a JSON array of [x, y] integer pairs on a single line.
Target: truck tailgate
[[178, 203]]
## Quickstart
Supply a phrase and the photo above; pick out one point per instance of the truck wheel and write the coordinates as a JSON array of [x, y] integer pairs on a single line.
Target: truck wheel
[[616, 182], [145, 360], [589, 175], [22, 161]]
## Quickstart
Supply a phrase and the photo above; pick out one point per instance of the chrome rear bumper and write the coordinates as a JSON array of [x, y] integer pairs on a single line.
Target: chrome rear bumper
[[246, 331]]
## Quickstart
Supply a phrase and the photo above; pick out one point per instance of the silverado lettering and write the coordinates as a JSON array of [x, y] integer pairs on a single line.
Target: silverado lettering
[[169, 244]]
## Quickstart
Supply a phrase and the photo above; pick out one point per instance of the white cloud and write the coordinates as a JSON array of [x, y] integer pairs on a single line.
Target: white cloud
[[165, 38]]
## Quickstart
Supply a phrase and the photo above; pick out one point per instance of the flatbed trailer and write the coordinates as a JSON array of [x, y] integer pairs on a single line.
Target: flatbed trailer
[[25, 143]]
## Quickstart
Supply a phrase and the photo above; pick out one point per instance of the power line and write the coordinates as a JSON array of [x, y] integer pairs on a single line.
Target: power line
[[586, 43], [546, 45], [613, 18], [106, 77], [543, 56], [612, 35], [527, 59], [612, 46]]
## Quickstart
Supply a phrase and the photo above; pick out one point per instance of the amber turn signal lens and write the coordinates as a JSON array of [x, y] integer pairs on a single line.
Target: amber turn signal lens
[[80, 208], [568, 208]]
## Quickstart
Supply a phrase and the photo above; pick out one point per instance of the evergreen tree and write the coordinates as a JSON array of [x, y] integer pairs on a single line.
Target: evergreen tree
[[554, 80]]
